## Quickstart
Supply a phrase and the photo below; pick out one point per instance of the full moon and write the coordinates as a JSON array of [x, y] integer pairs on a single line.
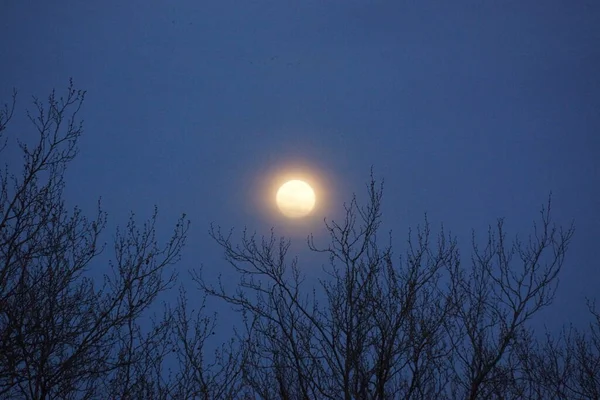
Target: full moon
[[295, 199]]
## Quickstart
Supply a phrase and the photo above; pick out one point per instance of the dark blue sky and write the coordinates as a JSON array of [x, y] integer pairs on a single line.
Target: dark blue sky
[[470, 110]]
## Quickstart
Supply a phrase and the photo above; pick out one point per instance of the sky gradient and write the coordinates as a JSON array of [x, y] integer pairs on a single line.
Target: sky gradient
[[470, 111]]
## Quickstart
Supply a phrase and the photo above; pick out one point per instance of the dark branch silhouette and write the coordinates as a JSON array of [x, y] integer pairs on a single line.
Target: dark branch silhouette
[[421, 322]]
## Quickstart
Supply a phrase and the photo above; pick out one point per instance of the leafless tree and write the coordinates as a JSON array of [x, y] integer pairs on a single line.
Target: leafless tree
[[423, 323], [376, 333], [381, 326], [585, 347], [199, 376], [566, 366], [63, 334], [505, 286]]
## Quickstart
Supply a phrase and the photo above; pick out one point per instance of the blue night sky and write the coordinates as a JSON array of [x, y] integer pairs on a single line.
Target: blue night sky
[[470, 110]]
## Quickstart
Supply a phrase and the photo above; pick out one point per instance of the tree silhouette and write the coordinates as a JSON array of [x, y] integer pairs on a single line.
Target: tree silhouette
[[419, 327], [423, 322], [63, 334]]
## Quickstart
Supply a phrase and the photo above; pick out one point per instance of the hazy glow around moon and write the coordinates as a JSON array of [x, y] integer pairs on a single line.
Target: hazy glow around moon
[[295, 199]]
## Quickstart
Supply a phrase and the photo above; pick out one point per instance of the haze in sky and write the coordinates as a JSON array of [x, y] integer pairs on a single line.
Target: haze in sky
[[470, 111]]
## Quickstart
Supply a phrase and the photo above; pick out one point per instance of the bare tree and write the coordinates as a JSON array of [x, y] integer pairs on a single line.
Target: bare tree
[[505, 286], [63, 334], [199, 376], [567, 366], [417, 324], [375, 333], [585, 347], [378, 327]]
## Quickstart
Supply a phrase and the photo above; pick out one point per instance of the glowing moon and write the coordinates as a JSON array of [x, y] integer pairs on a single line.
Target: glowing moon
[[295, 199]]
